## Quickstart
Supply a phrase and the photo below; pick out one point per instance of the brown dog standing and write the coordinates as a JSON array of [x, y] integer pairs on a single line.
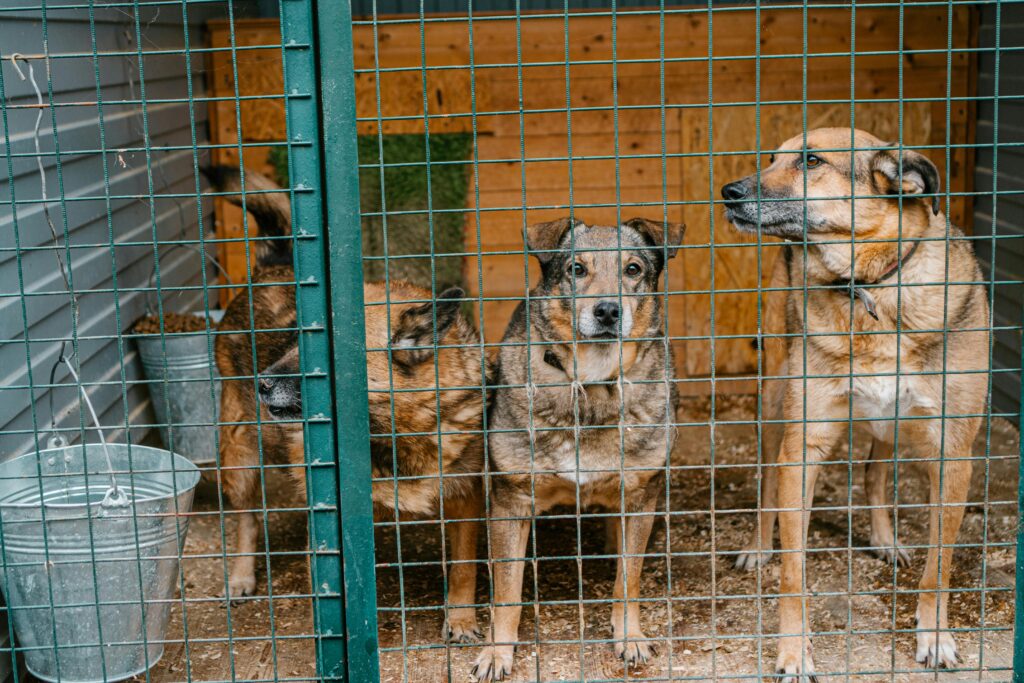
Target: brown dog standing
[[583, 413], [405, 398], [886, 334]]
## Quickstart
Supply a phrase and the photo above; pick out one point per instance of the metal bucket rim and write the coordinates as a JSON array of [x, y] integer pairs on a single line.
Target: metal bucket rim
[[181, 466]]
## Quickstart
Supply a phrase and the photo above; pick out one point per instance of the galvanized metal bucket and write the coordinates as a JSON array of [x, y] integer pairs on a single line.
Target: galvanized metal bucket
[[185, 408], [89, 581]]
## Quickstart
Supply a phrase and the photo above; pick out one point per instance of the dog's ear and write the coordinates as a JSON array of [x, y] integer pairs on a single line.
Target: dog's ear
[[412, 339], [544, 238], [918, 175], [659, 234]]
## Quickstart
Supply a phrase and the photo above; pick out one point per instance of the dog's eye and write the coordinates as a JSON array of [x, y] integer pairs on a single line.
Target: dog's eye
[[634, 269], [813, 161], [771, 159], [579, 270]]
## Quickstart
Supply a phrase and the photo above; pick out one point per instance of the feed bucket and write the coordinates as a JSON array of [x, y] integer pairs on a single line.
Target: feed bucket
[[89, 577], [179, 387]]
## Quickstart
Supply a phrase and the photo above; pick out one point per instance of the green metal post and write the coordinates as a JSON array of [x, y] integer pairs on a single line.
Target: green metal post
[[300, 86], [341, 187], [1018, 620]]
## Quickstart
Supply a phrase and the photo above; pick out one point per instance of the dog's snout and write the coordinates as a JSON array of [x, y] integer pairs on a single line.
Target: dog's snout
[[607, 313], [282, 397], [734, 191]]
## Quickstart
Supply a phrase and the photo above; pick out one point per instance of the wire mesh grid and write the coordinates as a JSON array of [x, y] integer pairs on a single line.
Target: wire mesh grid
[[601, 112], [123, 289], [381, 200]]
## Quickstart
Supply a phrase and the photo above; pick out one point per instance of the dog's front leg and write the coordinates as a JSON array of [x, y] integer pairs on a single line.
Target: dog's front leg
[[242, 579], [803, 447], [239, 455], [949, 480], [509, 532], [631, 644], [461, 625]]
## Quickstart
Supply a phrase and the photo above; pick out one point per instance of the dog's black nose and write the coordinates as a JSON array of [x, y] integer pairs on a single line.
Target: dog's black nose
[[734, 191], [607, 313], [266, 385]]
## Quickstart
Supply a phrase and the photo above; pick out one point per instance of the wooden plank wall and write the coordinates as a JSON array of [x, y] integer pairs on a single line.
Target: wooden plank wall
[[640, 133]]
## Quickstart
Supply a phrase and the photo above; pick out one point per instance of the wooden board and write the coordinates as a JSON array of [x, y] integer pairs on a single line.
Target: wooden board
[[530, 113]]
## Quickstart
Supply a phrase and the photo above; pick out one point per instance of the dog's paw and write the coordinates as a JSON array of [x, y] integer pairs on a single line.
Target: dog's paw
[[937, 650], [241, 585], [890, 554], [795, 667], [461, 627], [494, 663], [886, 550], [752, 558], [636, 650]]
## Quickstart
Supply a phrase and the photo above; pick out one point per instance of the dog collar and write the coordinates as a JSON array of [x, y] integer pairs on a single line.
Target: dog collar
[[859, 291]]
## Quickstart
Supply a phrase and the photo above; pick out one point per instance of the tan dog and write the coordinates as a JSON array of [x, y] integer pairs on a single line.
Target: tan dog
[[583, 412], [403, 400], [877, 304]]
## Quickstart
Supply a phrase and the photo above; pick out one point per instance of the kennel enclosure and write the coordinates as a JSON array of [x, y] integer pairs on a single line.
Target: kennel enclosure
[[418, 144]]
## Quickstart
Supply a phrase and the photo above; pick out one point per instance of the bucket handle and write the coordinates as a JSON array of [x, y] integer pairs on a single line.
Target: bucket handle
[[114, 496]]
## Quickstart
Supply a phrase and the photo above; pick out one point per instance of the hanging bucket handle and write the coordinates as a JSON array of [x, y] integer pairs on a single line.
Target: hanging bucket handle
[[115, 496]]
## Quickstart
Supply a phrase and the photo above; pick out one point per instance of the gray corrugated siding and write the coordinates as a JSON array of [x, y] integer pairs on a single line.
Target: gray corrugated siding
[[1002, 214], [28, 324], [44, 311]]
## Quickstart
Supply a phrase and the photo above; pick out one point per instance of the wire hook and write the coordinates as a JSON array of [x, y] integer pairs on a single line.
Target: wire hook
[[15, 56]]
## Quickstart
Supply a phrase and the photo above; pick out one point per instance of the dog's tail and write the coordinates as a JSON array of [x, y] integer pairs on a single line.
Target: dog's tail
[[269, 205]]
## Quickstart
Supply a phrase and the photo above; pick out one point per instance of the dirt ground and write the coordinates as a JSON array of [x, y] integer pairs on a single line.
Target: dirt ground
[[204, 620], [708, 613], [708, 616]]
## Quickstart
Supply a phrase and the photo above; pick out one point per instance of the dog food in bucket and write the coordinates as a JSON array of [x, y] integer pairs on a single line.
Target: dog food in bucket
[[173, 323]]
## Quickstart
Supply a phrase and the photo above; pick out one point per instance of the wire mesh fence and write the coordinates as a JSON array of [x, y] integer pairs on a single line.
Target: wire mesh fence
[[783, 355], [510, 341], [125, 560]]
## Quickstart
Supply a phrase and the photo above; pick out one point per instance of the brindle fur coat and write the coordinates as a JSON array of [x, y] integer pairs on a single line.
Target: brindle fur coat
[[411, 399]]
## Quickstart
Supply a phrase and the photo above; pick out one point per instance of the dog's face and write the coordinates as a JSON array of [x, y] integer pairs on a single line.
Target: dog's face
[[411, 328], [601, 275], [805, 192]]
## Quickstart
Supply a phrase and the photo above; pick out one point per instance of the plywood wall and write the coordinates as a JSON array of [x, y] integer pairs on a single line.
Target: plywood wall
[[584, 112]]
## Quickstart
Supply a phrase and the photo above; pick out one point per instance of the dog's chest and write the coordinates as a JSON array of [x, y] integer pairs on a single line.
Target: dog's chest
[[592, 454], [598, 474], [886, 397]]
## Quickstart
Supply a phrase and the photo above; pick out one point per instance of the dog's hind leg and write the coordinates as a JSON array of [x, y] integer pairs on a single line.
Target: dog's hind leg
[[631, 645], [461, 625], [238, 457], [760, 548], [880, 499], [612, 536]]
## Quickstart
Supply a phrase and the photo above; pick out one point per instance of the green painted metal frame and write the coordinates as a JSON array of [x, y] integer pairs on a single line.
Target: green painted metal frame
[[1018, 622], [312, 302], [347, 324]]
